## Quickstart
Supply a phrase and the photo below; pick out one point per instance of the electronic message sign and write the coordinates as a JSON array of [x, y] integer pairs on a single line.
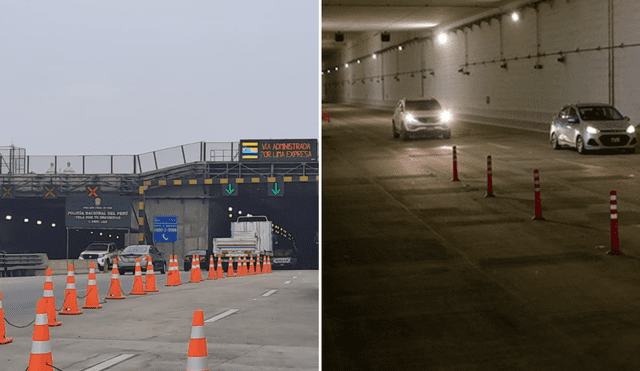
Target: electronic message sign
[[103, 211], [279, 150]]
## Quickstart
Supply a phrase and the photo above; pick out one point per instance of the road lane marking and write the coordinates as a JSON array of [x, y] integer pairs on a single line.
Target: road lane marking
[[222, 315], [579, 164], [110, 362], [497, 145], [287, 282], [294, 277], [269, 293]]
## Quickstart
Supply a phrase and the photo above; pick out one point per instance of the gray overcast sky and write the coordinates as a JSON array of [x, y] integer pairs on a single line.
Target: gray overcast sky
[[126, 77]]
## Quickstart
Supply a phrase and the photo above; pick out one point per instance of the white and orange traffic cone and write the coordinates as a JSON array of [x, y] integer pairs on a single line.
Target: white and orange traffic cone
[[70, 305], [115, 291], [138, 287], [258, 269], [212, 270], [3, 330], [196, 276], [41, 358], [269, 264], [171, 273], [230, 267], [219, 270], [150, 278], [50, 299], [245, 270], [92, 301], [251, 269], [176, 268], [197, 355]]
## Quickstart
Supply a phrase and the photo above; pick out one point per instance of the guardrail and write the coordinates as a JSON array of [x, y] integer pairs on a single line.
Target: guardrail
[[22, 264]]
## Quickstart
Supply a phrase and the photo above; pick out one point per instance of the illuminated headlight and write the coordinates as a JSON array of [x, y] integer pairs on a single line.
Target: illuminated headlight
[[410, 119], [445, 116], [631, 129], [592, 130]]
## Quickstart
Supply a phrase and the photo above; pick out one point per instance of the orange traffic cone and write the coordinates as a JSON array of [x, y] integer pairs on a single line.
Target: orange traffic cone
[[212, 270], [267, 264], [3, 330], [49, 299], [150, 278], [258, 270], [251, 270], [245, 270], [171, 280], [115, 291], [137, 281], [197, 356], [220, 271], [194, 270], [70, 305], [41, 358], [198, 270], [230, 268], [177, 270], [91, 300]]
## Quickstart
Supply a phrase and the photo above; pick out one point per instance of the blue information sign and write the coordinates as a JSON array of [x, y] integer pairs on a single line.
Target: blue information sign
[[165, 228]]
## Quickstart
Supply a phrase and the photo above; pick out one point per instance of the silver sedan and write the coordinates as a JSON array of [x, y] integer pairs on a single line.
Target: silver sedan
[[592, 126]]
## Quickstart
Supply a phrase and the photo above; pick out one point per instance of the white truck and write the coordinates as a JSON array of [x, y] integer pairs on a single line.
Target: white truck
[[250, 235]]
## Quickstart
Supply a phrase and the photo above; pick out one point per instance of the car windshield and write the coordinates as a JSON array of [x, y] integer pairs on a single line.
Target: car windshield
[[97, 248], [598, 113], [136, 250], [422, 105]]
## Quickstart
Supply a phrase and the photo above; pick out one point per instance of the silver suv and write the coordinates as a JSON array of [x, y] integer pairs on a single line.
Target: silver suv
[[590, 126], [421, 116]]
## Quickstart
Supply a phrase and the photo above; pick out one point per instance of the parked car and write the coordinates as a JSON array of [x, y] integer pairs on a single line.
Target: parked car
[[204, 260], [592, 126], [421, 116], [127, 258], [103, 252]]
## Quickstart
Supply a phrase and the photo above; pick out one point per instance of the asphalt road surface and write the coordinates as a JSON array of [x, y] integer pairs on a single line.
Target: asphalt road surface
[[263, 322], [424, 273]]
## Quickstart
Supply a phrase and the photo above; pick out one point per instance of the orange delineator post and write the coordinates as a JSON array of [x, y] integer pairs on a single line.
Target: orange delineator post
[[70, 306], [615, 239], [489, 179], [455, 165], [91, 300], [197, 353], [538, 200], [3, 330], [41, 358]]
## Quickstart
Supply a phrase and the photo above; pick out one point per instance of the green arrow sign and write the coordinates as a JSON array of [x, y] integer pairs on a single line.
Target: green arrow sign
[[229, 190], [275, 190]]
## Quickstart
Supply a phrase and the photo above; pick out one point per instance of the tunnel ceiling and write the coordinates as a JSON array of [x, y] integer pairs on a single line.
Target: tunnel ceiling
[[355, 17]]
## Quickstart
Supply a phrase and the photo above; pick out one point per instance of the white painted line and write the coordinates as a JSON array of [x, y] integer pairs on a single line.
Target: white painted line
[[287, 282], [222, 315], [110, 362], [497, 145], [294, 277], [579, 164], [268, 293]]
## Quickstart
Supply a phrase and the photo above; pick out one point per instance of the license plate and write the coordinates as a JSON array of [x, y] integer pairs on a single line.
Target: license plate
[[281, 260]]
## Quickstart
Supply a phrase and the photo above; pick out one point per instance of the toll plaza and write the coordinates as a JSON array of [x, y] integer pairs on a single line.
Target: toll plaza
[[59, 204]]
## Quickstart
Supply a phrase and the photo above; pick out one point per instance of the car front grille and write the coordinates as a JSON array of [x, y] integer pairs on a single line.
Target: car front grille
[[614, 140], [90, 256], [428, 120]]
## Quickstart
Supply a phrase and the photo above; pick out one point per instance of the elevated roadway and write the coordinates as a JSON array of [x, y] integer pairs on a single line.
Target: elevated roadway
[[420, 272]]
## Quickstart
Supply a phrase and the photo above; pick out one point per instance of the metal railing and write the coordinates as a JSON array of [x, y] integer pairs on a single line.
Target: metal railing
[[11, 264], [122, 164]]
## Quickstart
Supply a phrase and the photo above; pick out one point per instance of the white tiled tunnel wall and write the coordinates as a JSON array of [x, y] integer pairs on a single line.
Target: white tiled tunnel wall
[[519, 91]]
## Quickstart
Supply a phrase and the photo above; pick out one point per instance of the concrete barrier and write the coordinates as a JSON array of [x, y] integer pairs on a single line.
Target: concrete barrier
[[79, 266]]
